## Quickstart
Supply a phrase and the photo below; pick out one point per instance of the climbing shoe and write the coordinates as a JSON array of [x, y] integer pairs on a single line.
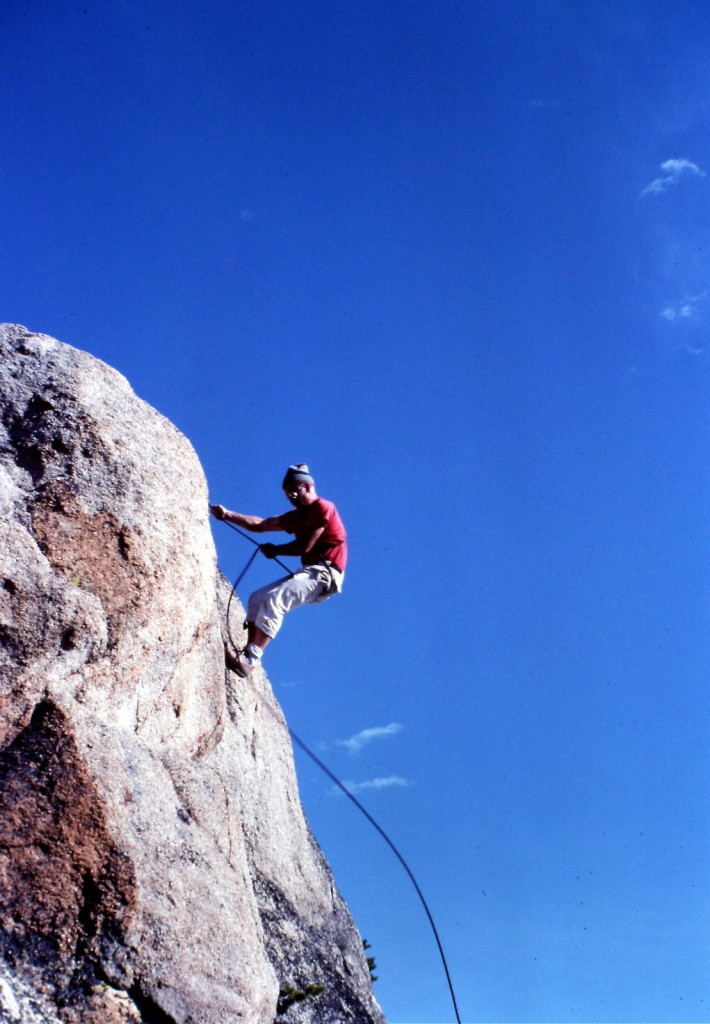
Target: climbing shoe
[[230, 658], [243, 666]]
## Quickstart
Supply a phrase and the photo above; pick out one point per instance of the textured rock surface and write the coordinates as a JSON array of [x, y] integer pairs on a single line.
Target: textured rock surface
[[155, 864]]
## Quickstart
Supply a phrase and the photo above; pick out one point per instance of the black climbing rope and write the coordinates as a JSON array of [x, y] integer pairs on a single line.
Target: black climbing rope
[[392, 847], [342, 786], [242, 574], [258, 546]]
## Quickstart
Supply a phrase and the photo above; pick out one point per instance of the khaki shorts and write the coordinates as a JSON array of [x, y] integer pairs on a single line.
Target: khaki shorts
[[312, 583]]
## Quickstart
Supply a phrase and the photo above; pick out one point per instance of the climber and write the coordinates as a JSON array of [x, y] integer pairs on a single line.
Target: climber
[[320, 540]]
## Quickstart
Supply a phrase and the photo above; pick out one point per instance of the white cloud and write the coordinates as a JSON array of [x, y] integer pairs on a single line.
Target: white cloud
[[677, 311], [673, 171], [355, 744], [683, 309], [386, 782]]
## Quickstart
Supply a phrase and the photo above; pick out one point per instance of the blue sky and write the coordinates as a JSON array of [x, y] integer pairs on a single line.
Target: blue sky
[[455, 257]]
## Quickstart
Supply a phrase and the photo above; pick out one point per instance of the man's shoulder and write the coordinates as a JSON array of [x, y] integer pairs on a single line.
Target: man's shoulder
[[305, 515], [326, 509], [317, 511], [324, 504]]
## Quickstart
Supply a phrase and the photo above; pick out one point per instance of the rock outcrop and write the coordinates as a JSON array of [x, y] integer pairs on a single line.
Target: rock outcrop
[[155, 863]]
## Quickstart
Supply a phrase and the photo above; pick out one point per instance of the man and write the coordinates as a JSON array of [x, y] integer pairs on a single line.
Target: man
[[320, 540]]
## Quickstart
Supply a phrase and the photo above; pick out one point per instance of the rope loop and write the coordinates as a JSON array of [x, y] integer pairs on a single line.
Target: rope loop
[[233, 591]]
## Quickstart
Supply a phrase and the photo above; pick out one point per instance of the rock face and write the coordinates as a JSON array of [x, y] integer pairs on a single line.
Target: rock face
[[155, 864]]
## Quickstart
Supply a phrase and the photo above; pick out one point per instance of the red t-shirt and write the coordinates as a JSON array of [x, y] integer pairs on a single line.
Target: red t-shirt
[[332, 543]]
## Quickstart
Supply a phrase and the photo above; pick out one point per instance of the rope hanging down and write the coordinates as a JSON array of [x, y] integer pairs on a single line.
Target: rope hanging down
[[344, 788], [392, 847], [242, 574]]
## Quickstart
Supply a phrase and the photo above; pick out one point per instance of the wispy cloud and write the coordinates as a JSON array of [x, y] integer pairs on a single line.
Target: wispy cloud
[[540, 104], [386, 782], [682, 309], [673, 171], [355, 744]]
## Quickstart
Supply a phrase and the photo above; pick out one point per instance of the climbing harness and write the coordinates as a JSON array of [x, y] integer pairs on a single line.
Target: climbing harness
[[299, 742]]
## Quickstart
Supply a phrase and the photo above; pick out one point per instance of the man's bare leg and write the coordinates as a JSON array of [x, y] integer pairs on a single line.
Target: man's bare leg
[[257, 640], [257, 636]]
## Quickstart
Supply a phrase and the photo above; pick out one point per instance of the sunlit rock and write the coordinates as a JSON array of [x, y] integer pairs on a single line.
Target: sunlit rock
[[155, 864]]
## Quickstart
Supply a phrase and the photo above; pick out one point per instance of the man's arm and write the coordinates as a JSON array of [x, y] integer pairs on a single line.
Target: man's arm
[[293, 547], [255, 524]]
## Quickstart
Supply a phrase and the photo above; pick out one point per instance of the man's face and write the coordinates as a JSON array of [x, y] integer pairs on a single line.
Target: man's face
[[296, 493]]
